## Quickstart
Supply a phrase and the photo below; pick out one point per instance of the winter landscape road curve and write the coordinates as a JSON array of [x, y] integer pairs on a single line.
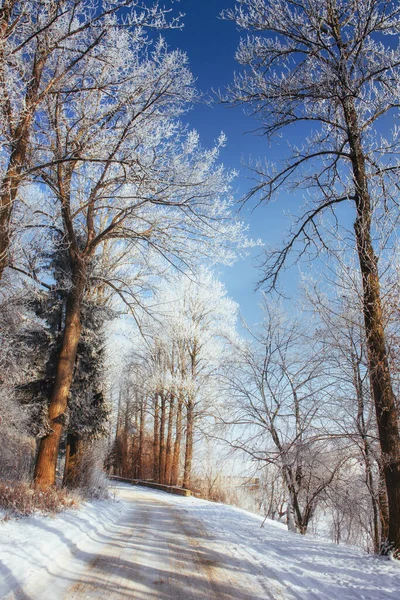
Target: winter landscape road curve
[[152, 545], [160, 551]]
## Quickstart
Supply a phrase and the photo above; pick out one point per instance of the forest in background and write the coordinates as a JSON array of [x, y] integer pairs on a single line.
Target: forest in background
[[110, 206]]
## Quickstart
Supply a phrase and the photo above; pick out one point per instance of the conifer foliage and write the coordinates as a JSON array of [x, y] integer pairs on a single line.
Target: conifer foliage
[[88, 411]]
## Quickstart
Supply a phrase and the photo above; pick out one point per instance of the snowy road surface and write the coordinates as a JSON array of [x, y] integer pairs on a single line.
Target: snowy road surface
[[152, 545]]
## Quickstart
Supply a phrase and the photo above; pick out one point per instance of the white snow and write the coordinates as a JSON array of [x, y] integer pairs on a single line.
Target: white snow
[[34, 550], [300, 567], [39, 552]]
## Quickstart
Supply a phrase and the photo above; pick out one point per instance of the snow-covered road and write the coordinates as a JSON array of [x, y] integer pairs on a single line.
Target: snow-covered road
[[159, 551], [153, 545]]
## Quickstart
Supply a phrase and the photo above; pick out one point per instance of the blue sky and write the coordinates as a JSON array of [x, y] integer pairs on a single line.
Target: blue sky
[[210, 44]]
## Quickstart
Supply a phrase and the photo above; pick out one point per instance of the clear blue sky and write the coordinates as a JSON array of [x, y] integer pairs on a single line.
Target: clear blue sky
[[210, 44]]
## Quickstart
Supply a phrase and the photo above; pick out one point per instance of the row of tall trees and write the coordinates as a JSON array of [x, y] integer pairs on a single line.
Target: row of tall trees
[[295, 399], [172, 381], [99, 174]]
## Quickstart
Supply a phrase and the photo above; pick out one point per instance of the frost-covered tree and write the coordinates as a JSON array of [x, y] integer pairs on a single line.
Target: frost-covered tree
[[44, 48], [16, 363], [39, 346], [333, 67], [88, 408], [277, 387], [336, 304], [201, 318], [180, 358], [123, 172]]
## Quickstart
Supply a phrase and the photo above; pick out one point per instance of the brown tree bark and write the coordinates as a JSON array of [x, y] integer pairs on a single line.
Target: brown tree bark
[[19, 141], [19, 126], [168, 456], [126, 446], [118, 439], [72, 458], [187, 472], [156, 439], [379, 371], [46, 462], [141, 438], [378, 363], [380, 378], [366, 450], [177, 444], [135, 442], [162, 455]]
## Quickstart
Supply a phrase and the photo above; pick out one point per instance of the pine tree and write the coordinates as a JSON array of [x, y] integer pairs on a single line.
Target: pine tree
[[87, 412]]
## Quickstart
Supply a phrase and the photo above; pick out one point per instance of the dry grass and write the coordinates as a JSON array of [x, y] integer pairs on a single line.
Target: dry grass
[[22, 499]]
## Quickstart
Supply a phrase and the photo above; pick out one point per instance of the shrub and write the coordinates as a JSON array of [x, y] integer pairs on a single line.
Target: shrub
[[91, 480], [22, 499]]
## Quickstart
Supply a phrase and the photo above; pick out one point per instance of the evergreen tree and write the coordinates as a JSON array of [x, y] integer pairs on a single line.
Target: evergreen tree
[[87, 412]]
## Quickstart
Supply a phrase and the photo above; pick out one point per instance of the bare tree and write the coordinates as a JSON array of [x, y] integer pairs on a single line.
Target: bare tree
[[325, 64], [278, 388], [338, 312]]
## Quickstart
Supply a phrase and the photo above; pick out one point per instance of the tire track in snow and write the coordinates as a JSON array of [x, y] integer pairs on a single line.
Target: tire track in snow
[[161, 552]]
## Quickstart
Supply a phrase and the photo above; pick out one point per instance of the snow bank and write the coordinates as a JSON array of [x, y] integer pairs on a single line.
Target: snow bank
[[296, 567], [32, 547]]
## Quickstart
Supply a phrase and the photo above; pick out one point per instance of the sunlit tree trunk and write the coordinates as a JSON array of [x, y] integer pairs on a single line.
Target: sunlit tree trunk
[[142, 426], [187, 473], [350, 77], [177, 443], [118, 438], [156, 439], [378, 362], [366, 450], [168, 458], [162, 455], [46, 462], [12, 178]]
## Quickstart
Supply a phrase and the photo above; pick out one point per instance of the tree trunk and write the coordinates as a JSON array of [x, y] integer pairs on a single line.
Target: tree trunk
[[46, 462], [118, 439], [8, 194], [135, 442], [378, 363], [296, 521], [381, 382], [383, 510], [189, 444], [141, 439], [366, 450], [162, 455], [156, 440], [19, 142], [72, 458], [168, 458], [177, 445], [126, 459], [291, 521]]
